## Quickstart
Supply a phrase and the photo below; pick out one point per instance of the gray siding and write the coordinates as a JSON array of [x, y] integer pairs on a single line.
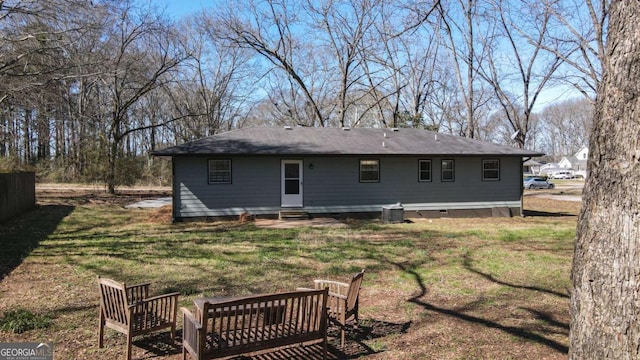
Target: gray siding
[[255, 183], [332, 185], [335, 181]]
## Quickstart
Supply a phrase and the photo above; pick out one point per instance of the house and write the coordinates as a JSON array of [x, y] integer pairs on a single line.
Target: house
[[348, 172], [577, 163], [573, 163], [583, 154], [549, 168], [531, 167]]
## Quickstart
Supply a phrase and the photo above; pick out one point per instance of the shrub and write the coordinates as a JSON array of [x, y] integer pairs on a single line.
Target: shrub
[[21, 320]]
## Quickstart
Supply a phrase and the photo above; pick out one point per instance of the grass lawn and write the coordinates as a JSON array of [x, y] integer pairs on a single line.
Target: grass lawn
[[492, 288]]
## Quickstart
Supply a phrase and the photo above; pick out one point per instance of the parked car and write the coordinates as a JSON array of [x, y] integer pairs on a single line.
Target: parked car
[[562, 175], [537, 183]]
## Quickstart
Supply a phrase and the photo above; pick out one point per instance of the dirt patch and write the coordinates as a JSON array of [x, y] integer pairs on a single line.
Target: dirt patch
[[550, 205], [61, 195], [291, 224], [162, 215]]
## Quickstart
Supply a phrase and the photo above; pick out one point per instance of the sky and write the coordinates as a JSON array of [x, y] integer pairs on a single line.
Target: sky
[[179, 8]]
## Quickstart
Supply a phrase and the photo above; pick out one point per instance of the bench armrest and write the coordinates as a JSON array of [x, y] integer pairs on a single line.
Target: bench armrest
[[190, 319], [192, 334], [157, 297], [330, 282], [164, 307], [171, 297], [334, 295]]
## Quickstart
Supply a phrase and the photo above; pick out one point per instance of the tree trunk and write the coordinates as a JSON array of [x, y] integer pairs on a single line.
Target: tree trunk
[[26, 130], [471, 123], [114, 146], [605, 303], [44, 137], [111, 171]]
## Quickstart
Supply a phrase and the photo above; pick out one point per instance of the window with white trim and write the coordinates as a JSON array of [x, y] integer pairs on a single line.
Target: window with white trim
[[490, 170], [369, 170], [219, 171], [447, 170], [424, 170]]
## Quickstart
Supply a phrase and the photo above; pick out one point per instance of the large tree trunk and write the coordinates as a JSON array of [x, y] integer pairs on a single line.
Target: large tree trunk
[[605, 303]]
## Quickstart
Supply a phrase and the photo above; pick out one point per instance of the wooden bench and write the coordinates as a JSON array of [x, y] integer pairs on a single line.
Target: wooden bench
[[255, 323]]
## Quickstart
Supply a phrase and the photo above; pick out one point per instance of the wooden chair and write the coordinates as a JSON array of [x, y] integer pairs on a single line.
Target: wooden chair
[[129, 310], [343, 301]]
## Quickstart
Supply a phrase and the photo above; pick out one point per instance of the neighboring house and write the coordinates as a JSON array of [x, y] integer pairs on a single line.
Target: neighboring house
[[565, 162], [549, 168], [577, 163], [348, 172], [583, 154], [531, 167]]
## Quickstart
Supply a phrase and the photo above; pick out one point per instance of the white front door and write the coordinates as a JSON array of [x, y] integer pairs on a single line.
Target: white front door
[[291, 183]]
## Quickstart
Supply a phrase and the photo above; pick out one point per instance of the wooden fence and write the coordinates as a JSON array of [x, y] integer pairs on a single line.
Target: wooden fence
[[17, 194]]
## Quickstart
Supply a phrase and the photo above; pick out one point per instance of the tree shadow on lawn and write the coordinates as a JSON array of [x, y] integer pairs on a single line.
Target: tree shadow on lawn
[[468, 265], [356, 338], [159, 344], [512, 330], [25, 233], [531, 213]]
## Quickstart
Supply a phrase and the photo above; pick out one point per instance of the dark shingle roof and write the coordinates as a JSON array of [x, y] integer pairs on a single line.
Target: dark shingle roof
[[337, 141]]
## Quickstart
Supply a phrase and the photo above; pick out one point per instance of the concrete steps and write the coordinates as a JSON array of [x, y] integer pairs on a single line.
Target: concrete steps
[[293, 215]]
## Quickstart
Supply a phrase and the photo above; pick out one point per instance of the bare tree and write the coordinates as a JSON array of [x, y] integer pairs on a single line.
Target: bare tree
[[565, 127], [605, 301], [400, 72], [518, 91], [266, 28], [346, 27], [424, 77], [333, 44], [212, 85], [37, 65], [462, 43], [445, 109], [33, 37], [89, 87], [581, 27], [144, 54]]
